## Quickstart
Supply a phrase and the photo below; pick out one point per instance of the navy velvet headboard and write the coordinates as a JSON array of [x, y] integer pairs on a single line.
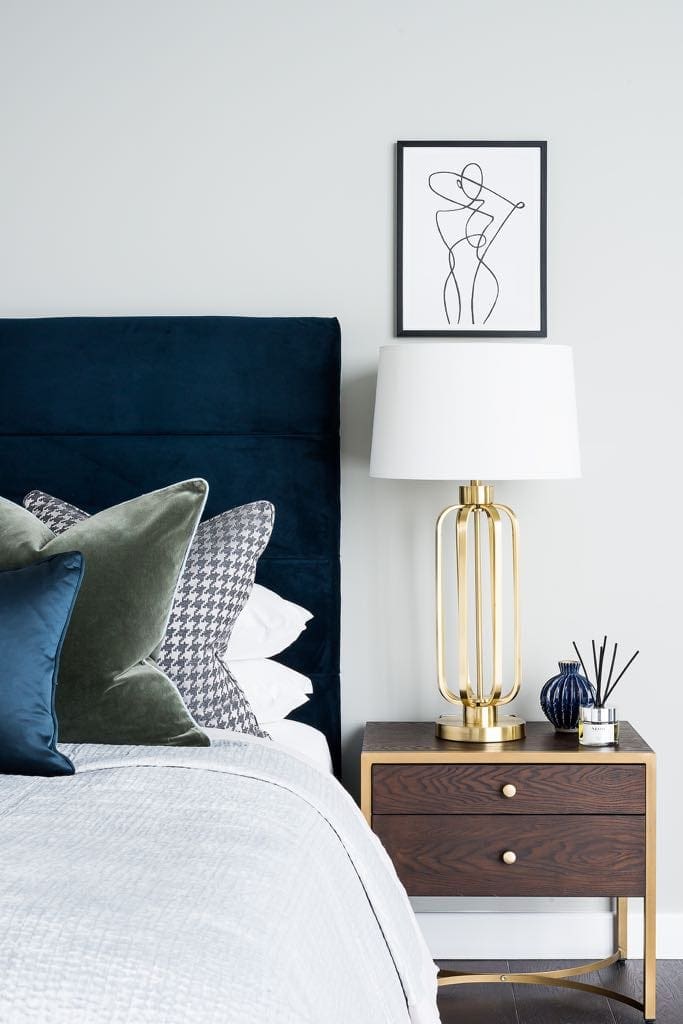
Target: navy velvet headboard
[[97, 410]]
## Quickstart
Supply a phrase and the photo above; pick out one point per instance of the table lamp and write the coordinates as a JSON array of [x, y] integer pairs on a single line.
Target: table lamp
[[476, 412]]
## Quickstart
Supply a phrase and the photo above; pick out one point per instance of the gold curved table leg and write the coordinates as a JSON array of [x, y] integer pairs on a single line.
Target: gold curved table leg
[[560, 979]]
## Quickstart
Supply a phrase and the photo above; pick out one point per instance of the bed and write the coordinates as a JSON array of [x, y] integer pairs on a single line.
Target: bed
[[236, 882], [297, 738]]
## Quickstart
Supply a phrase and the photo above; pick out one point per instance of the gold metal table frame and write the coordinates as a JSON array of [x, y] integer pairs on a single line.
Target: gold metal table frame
[[503, 753], [561, 978]]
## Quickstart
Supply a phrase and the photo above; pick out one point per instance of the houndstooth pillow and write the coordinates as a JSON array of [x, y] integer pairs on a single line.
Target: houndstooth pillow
[[218, 578]]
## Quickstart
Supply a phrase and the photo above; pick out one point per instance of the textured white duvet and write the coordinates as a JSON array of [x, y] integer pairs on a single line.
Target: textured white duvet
[[226, 885]]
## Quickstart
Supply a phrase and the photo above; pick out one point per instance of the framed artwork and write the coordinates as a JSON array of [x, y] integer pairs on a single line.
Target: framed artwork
[[471, 239]]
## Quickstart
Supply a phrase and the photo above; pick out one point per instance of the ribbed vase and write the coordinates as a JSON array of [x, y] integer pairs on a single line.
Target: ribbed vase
[[563, 695]]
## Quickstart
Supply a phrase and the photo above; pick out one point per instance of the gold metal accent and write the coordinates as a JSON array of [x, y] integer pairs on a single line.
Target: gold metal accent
[[501, 730], [509, 857], [583, 755], [475, 493], [560, 979], [650, 902], [622, 926], [509, 790], [504, 755], [480, 701]]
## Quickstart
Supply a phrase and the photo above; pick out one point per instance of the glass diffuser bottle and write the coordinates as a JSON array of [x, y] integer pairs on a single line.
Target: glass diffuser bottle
[[598, 727]]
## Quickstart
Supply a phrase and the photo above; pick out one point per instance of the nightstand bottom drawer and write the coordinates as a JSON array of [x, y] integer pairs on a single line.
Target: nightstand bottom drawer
[[552, 855]]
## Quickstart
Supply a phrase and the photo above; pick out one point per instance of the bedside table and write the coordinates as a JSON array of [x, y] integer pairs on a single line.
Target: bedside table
[[539, 816]]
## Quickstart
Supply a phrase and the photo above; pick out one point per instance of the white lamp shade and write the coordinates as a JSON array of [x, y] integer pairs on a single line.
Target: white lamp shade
[[475, 411]]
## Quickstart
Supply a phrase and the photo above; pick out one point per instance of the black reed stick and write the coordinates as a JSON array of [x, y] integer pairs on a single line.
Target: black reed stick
[[580, 658], [602, 655], [627, 665], [611, 668], [603, 693]]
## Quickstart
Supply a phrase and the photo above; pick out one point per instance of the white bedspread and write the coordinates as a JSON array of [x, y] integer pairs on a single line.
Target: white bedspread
[[296, 737], [233, 884]]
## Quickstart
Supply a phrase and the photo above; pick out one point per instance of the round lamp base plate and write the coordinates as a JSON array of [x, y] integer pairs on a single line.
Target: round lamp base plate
[[506, 728]]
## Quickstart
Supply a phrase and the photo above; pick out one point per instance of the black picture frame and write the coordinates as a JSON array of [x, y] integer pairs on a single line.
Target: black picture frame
[[467, 331]]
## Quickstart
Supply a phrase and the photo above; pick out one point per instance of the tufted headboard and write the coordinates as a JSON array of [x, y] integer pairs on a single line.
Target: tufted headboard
[[97, 410]]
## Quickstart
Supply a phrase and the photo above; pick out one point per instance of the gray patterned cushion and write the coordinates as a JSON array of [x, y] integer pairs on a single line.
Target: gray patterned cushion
[[215, 586]]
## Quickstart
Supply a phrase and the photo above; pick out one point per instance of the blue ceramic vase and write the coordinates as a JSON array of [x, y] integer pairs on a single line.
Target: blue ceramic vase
[[563, 695]]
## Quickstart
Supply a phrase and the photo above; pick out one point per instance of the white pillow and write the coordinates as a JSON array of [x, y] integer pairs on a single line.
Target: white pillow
[[273, 690], [267, 625]]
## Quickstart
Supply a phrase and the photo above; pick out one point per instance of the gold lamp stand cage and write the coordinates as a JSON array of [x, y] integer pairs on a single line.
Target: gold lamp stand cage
[[480, 721]]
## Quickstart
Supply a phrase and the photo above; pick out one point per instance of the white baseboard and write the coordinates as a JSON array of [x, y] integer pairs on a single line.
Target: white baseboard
[[526, 932]]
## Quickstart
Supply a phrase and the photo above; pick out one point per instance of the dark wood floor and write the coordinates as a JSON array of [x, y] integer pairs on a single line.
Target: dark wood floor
[[536, 1004]]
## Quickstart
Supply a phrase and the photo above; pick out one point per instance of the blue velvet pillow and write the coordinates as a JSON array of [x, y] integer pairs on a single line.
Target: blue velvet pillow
[[35, 607]]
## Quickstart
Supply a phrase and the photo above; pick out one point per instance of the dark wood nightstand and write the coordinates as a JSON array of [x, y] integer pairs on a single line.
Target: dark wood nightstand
[[534, 817]]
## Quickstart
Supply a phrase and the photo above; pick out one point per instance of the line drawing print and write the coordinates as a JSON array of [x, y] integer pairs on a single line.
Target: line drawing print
[[468, 228]]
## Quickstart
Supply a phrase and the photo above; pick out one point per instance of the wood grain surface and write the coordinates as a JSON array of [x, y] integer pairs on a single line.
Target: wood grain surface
[[541, 738], [557, 855], [544, 1004], [478, 789]]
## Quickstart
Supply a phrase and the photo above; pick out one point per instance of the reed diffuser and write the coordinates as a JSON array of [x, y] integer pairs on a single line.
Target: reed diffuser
[[599, 724]]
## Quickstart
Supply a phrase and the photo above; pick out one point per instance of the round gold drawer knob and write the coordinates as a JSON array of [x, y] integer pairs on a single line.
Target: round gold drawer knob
[[509, 857], [509, 790]]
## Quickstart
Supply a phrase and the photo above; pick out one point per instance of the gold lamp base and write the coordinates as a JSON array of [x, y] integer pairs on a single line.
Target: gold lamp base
[[506, 728], [480, 724], [480, 721]]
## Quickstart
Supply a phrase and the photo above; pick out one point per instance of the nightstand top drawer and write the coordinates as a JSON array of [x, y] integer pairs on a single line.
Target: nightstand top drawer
[[508, 789]]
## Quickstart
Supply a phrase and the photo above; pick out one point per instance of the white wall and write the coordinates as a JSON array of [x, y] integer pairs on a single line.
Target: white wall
[[206, 157]]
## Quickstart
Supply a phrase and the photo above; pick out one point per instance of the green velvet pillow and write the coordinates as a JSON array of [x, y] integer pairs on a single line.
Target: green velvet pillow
[[110, 689]]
